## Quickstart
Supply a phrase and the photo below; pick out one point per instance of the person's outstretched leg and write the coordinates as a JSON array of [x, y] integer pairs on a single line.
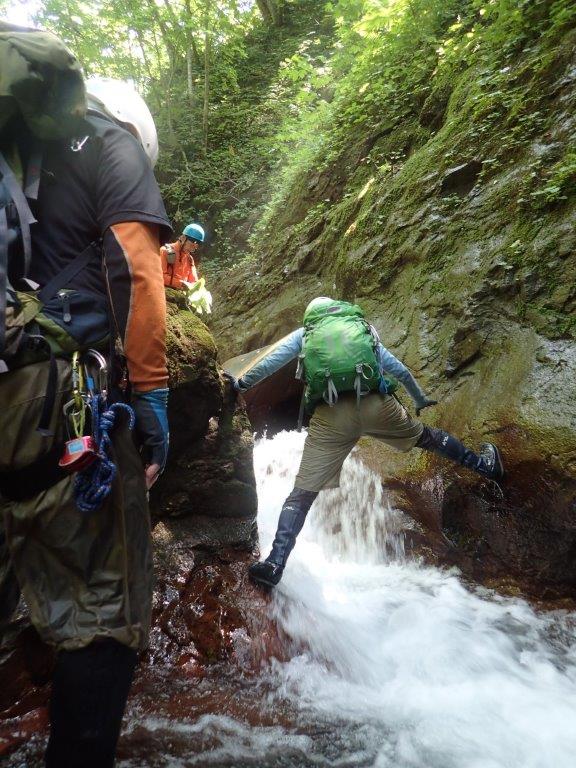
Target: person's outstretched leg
[[332, 434], [292, 518], [488, 462], [89, 691]]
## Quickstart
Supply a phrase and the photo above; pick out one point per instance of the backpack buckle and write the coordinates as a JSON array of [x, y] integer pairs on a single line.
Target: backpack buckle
[[299, 368], [361, 368], [77, 144]]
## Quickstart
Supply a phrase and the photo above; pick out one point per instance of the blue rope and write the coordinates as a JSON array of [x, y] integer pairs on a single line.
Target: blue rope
[[93, 485]]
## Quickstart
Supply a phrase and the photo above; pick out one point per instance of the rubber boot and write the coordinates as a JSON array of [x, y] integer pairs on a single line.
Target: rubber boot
[[294, 510], [487, 463], [89, 691]]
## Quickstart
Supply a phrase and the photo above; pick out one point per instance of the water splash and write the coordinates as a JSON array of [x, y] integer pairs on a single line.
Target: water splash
[[440, 676], [354, 522]]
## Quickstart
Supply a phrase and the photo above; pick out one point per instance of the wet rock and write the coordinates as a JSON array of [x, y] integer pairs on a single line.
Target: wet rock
[[461, 179], [514, 522], [15, 731], [205, 608], [209, 473], [466, 348], [25, 669]]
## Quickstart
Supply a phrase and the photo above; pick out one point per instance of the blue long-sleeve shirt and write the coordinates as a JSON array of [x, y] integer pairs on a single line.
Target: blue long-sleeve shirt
[[291, 347]]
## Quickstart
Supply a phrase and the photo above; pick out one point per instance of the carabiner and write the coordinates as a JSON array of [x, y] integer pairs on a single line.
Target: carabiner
[[74, 418], [99, 383]]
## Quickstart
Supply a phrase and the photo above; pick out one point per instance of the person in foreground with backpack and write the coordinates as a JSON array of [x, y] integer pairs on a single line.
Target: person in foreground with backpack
[[82, 218], [345, 368]]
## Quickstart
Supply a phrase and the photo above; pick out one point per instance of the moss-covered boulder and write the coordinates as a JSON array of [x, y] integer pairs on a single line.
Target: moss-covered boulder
[[209, 475]]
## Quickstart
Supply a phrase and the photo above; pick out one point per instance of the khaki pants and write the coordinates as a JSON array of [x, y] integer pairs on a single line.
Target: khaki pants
[[334, 431], [83, 576]]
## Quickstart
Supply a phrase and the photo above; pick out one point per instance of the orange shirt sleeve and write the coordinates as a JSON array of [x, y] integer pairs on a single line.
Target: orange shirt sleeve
[[134, 272]]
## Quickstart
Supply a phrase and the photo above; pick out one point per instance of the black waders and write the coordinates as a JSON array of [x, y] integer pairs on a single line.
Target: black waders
[[89, 691], [292, 517], [487, 463]]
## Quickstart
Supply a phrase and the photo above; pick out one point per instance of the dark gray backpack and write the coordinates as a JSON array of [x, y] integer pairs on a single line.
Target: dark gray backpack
[[42, 94], [41, 89]]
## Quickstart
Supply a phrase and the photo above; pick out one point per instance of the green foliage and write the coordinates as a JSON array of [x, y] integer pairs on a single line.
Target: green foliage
[[321, 131], [399, 62], [217, 143], [559, 183]]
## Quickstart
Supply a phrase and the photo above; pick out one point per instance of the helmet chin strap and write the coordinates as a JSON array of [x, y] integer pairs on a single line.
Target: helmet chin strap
[[129, 127]]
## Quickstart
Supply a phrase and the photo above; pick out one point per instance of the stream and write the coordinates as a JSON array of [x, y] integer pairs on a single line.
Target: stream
[[392, 664], [387, 662]]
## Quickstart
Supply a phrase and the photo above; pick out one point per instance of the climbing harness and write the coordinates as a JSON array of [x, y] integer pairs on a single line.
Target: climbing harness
[[90, 455]]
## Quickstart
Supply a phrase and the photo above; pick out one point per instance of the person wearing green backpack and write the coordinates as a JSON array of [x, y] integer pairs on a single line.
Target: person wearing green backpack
[[81, 222], [350, 379]]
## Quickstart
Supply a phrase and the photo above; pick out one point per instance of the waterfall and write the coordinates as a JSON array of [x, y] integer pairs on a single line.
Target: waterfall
[[434, 674], [388, 663]]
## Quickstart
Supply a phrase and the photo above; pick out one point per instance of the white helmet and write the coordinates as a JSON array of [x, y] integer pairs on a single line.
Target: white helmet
[[120, 101]]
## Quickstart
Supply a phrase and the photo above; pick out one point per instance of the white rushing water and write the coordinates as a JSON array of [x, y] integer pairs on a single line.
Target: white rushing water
[[392, 664], [419, 671]]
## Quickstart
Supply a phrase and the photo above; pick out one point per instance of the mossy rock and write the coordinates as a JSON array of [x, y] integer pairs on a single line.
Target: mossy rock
[[463, 254], [190, 346], [210, 461]]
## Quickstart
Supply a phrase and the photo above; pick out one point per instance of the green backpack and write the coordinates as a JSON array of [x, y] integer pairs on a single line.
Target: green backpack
[[339, 354], [41, 82]]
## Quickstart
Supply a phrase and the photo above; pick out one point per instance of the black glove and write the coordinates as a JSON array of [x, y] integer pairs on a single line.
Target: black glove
[[237, 384], [232, 379], [426, 403], [150, 409]]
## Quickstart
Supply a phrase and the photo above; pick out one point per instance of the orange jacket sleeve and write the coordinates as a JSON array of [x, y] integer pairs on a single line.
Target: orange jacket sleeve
[[136, 287]]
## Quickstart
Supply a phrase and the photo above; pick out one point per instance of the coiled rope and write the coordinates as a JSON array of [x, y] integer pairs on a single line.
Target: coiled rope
[[93, 485]]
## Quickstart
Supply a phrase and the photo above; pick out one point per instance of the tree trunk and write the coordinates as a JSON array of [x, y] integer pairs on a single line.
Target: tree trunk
[[191, 42], [206, 76], [271, 11], [189, 78]]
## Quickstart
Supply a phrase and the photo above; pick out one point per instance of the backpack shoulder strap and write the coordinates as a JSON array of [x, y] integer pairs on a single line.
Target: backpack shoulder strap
[[70, 270], [25, 215], [17, 198]]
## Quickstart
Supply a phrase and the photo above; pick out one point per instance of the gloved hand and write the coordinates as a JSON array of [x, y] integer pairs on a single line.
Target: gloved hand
[[232, 379], [198, 297], [230, 387], [150, 409], [426, 403], [237, 384]]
